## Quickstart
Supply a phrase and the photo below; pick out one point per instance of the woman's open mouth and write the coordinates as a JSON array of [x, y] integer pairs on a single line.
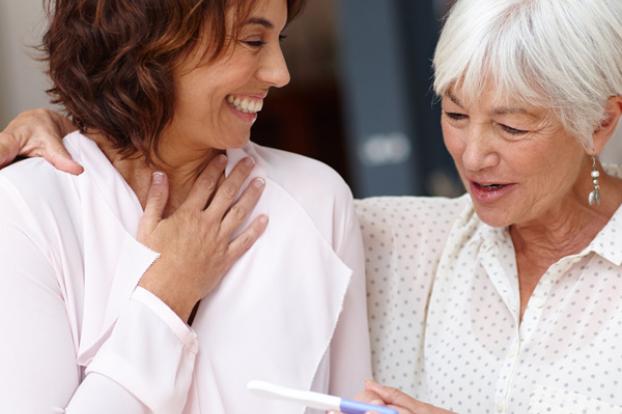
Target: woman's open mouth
[[245, 107], [489, 192]]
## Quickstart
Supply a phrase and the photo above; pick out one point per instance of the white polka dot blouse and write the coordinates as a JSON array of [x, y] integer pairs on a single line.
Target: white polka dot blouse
[[443, 304]]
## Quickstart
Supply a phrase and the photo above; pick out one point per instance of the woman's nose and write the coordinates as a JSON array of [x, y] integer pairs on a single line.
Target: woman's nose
[[479, 152], [274, 70]]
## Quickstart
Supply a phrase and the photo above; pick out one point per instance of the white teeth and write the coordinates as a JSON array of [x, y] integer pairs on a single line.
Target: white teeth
[[246, 105]]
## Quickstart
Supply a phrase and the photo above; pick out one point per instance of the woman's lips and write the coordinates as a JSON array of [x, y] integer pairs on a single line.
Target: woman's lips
[[244, 116], [489, 193], [245, 107]]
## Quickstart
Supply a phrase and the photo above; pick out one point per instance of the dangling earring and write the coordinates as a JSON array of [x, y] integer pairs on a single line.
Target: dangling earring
[[594, 197]]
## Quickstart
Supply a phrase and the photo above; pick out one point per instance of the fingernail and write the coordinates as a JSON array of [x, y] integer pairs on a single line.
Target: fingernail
[[263, 220], [249, 161], [259, 182], [158, 177], [222, 159]]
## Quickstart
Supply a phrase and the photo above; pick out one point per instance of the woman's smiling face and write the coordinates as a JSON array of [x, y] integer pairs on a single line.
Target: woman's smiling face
[[218, 101], [517, 162]]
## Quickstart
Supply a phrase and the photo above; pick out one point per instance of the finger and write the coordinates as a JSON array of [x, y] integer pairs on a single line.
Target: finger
[[57, 155], [393, 396], [368, 396], [245, 241], [8, 148], [238, 213], [379, 403], [157, 198], [228, 191], [206, 184]]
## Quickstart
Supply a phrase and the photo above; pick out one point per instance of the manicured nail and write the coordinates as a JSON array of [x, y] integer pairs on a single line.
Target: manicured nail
[[249, 161], [259, 182], [158, 177]]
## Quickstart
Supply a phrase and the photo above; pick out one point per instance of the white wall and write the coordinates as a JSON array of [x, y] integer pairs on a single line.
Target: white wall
[[22, 81]]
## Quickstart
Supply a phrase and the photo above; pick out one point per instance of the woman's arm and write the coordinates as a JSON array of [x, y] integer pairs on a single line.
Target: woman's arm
[[38, 133], [38, 371]]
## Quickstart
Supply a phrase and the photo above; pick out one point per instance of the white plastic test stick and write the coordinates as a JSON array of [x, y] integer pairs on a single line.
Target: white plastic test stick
[[315, 399]]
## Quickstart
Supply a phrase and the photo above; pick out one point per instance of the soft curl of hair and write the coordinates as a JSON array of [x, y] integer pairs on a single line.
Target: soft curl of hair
[[563, 55], [111, 62]]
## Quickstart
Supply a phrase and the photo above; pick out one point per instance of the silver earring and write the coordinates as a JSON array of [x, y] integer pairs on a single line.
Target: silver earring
[[594, 197]]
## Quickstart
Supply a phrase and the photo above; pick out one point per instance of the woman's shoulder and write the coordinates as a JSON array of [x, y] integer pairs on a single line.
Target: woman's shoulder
[[35, 196], [409, 225], [309, 181], [36, 180], [30, 184], [407, 212]]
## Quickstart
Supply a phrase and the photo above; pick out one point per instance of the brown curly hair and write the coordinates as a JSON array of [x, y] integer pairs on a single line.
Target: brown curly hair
[[111, 61]]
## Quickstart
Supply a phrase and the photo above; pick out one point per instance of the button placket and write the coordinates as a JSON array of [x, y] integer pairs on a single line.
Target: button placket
[[509, 369]]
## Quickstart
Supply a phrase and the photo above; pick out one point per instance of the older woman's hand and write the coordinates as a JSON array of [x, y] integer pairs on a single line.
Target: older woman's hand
[[38, 133], [196, 243], [375, 393]]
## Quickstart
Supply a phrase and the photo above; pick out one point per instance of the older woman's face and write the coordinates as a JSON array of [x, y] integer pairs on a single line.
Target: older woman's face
[[217, 102], [517, 163]]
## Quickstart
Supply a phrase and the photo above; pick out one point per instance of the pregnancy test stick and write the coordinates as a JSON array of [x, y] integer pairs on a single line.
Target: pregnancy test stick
[[315, 399]]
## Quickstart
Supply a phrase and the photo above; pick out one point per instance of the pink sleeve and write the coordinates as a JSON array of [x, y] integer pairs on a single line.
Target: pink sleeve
[[146, 364]]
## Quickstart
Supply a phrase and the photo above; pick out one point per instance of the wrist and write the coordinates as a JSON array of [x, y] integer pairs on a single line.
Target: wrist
[[159, 282]]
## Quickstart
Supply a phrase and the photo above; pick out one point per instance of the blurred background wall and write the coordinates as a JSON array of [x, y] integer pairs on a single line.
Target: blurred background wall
[[22, 82], [360, 98]]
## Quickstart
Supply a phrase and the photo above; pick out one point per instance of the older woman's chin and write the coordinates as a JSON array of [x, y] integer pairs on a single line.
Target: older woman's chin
[[498, 215]]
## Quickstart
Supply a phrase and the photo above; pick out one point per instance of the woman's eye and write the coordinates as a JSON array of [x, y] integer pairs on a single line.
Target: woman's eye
[[282, 38], [456, 116], [512, 131], [254, 43]]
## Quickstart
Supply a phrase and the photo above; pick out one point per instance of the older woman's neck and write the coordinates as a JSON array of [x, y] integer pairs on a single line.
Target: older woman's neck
[[568, 227]]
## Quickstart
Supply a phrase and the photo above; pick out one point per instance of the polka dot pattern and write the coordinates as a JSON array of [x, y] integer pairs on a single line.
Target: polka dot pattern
[[443, 305]]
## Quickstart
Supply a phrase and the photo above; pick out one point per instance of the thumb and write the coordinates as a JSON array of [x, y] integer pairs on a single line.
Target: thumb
[[154, 207], [395, 397]]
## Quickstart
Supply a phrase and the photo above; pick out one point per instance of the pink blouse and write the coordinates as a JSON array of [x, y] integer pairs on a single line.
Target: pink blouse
[[79, 336]]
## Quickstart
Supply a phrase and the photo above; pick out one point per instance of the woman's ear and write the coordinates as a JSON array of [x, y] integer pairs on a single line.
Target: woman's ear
[[613, 112]]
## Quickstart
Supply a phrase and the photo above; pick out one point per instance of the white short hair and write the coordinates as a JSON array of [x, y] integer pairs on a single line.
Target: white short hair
[[564, 55]]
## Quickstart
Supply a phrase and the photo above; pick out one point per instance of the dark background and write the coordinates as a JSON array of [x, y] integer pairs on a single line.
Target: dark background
[[361, 98]]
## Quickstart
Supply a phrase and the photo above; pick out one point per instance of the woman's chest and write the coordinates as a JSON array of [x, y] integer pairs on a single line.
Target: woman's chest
[[480, 358]]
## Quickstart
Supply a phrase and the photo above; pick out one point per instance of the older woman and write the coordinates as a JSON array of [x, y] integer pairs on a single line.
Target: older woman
[[102, 273], [507, 300]]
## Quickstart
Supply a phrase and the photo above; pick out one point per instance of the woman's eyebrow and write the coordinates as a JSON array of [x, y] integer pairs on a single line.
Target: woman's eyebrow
[[512, 111], [261, 21], [453, 98]]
